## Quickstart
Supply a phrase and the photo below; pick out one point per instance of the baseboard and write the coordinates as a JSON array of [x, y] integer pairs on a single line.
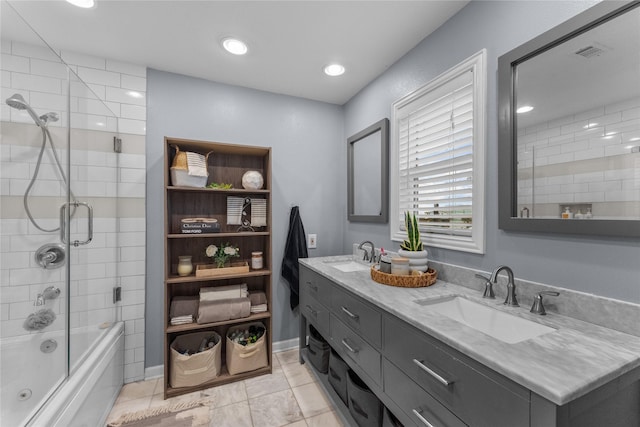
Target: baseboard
[[157, 371]]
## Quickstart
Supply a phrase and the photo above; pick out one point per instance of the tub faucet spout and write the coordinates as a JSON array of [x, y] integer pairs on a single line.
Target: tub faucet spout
[[511, 299]]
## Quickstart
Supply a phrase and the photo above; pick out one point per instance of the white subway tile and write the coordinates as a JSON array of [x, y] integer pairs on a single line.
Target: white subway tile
[[127, 68], [629, 104], [134, 253], [133, 297], [13, 294], [588, 177], [136, 112], [93, 107], [132, 175], [131, 268], [605, 186], [14, 63], [100, 77], [22, 81], [131, 224], [41, 101], [129, 356], [133, 82], [593, 153], [591, 115], [131, 189], [57, 70], [5, 46], [82, 60], [34, 51], [132, 312], [590, 197], [630, 114], [132, 160], [133, 281], [116, 94]]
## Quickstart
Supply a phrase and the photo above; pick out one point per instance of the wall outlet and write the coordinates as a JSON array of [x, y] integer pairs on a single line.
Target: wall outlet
[[312, 241]]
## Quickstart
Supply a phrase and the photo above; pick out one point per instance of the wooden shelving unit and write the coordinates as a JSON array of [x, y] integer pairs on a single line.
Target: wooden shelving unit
[[226, 164]]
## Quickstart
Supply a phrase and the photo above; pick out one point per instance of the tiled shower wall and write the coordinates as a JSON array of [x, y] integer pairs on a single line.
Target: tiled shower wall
[[586, 158], [114, 183]]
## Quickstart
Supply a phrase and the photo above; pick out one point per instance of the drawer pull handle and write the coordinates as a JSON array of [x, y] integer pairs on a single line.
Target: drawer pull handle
[[312, 286], [433, 374], [348, 347], [315, 313], [421, 418], [350, 314]]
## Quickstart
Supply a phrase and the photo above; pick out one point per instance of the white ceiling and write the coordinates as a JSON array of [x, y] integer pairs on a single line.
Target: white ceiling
[[290, 42]]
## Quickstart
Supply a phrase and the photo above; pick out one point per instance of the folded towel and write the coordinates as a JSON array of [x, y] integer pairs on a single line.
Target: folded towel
[[218, 311], [197, 164], [257, 298], [181, 320], [260, 308], [223, 292], [183, 306]]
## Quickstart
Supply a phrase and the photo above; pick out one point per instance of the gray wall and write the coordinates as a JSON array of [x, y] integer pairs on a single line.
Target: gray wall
[[309, 170], [602, 266]]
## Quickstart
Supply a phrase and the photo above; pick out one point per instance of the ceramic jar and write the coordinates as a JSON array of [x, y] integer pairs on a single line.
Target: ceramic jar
[[185, 267]]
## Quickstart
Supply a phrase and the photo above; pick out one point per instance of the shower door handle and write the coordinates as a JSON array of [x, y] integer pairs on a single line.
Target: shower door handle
[[63, 230]]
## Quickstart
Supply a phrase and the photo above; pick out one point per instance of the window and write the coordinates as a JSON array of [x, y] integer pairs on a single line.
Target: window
[[438, 156]]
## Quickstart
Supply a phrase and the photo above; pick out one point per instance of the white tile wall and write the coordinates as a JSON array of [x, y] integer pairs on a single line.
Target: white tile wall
[[591, 137], [116, 256]]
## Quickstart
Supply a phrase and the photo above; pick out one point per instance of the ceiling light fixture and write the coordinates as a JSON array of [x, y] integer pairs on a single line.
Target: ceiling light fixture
[[524, 109], [234, 46], [85, 4], [334, 70]]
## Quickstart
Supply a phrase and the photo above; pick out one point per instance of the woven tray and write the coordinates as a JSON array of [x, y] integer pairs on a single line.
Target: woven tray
[[426, 279]]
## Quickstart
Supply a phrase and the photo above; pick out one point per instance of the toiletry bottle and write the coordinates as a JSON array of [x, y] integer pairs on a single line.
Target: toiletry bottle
[[578, 215], [385, 262], [588, 215], [567, 213]]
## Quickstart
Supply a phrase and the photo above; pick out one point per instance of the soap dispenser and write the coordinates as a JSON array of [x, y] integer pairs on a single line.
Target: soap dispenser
[[567, 214]]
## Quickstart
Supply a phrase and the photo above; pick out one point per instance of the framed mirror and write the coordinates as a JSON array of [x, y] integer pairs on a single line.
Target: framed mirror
[[368, 174], [569, 127]]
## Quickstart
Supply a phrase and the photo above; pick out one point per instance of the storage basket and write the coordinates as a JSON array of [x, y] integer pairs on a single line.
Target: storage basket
[[364, 406], [318, 350], [180, 171], [245, 358], [338, 375], [194, 369], [405, 281]]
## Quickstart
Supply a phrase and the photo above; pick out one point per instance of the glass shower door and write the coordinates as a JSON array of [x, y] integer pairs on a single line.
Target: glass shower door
[[92, 211]]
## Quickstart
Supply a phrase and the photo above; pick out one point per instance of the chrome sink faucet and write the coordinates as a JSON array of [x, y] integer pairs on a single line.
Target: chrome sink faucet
[[511, 287], [368, 256]]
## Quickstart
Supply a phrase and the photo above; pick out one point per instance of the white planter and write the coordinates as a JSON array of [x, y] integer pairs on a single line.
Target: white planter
[[418, 260]]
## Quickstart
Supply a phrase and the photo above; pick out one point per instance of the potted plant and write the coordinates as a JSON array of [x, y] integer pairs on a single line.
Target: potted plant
[[412, 247]]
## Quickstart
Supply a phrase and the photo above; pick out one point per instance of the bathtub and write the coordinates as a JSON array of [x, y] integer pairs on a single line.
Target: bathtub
[[30, 374]]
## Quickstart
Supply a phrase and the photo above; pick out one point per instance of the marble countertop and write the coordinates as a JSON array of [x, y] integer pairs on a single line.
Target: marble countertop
[[560, 366]]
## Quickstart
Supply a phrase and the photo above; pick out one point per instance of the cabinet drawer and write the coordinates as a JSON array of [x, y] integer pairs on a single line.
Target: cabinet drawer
[[316, 314], [356, 349], [462, 385], [418, 405], [315, 285], [360, 316]]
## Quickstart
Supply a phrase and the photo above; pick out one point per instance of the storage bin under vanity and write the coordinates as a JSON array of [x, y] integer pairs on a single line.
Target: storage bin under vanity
[[319, 350], [364, 406], [338, 375], [197, 367]]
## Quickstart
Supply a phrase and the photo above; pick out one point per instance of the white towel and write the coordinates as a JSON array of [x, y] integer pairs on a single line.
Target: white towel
[[234, 210], [260, 308], [224, 292], [181, 320], [197, 164]]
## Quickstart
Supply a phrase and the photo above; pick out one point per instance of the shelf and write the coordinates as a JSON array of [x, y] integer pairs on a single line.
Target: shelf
[[193, 278], [224, 378], [171, 329], [217, 190], [212, 235]]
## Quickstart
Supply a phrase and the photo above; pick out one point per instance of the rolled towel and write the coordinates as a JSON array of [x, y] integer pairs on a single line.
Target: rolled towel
[[182, 320], [260, 308], [224, 292], [218, 311], [257, 298], [183, 306]]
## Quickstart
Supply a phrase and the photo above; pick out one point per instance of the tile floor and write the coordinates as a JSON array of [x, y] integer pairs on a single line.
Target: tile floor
[[290, 396]]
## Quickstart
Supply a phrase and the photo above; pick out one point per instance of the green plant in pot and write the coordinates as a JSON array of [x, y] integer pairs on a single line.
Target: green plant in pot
[[412, 247]]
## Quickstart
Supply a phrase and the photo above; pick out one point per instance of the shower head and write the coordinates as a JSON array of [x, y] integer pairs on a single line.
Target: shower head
[[17, 101]]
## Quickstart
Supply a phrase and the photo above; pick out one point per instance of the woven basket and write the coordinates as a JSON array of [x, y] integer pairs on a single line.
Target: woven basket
[[426, 279], [180, 159]]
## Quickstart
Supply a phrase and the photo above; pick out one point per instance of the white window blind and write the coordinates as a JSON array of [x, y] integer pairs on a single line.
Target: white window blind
[[439, 145]]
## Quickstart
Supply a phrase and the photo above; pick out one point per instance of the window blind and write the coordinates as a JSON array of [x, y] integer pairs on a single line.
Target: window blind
[[435, 155]]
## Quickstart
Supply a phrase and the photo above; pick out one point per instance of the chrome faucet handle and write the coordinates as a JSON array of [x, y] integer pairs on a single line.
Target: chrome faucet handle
[[537, 306], [488, 287]]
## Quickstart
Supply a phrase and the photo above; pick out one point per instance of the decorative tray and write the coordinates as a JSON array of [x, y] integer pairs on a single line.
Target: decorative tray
[[208, 270], [404, 281]]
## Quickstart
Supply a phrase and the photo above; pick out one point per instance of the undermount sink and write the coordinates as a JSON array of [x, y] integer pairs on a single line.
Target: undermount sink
[[503, 326], [348, 266]]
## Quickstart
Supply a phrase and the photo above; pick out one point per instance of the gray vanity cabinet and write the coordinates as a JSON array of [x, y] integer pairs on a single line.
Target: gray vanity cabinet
[[315, 300], [476, 395], [358, 315]]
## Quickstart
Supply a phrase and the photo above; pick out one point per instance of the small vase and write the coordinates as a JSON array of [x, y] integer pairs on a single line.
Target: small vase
[[185, 267], [418, 260]]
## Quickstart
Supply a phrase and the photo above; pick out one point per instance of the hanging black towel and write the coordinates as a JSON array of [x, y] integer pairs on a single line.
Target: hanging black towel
[[296, 247]]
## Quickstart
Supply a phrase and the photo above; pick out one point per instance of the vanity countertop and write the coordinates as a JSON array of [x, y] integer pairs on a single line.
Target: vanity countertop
[[560, 366]]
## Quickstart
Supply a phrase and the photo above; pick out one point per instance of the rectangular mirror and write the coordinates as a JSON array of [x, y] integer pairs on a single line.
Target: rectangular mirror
[[569, 117], [368, 174]]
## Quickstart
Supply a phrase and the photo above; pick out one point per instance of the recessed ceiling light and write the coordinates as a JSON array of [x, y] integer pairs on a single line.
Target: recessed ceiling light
[[235, 46], [524, 109], [334, 70], [85, 4]]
